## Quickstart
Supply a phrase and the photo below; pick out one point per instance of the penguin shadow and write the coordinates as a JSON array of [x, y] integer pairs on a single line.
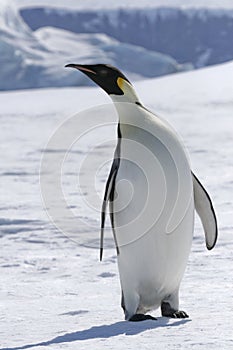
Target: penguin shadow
[[107, 331]]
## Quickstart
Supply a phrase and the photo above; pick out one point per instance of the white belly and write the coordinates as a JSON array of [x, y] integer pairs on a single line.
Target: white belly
[[153, 265], [153, 213]]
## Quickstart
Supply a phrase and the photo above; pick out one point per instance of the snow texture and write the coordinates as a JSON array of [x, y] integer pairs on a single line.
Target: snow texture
[[55, 293]]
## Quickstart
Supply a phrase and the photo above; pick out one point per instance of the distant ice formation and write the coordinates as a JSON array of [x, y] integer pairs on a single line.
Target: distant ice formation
[[36, 59]]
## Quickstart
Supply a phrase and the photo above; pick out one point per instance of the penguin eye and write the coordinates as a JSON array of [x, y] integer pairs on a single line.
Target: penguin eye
[[103, 72]]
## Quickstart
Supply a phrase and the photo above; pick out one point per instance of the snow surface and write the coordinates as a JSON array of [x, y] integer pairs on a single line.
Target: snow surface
[[55, 293]]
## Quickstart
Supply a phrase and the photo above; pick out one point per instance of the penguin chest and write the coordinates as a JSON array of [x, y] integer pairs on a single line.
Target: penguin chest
[[153, 214]]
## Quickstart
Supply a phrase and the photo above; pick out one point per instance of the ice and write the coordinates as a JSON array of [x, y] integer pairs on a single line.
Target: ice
[[90, 4], [92, 48], [54, 291], [34, 60], [195, 36]]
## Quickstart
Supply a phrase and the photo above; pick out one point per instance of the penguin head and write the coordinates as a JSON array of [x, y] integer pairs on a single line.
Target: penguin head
[[109, 78]]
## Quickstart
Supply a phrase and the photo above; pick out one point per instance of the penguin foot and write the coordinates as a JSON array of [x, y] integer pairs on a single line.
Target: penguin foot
[[141, 317], [179, 314], [168, 311]]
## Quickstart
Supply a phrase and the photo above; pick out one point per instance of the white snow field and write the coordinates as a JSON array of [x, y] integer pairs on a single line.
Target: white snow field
[[55, 294]]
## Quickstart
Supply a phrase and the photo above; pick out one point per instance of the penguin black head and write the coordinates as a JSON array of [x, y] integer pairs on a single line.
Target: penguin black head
[[107, 77]]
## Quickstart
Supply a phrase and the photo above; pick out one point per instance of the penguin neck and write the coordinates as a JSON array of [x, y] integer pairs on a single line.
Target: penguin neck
[[128, 98], [129, 95], [125, 98], [130, 112], [127, 104]]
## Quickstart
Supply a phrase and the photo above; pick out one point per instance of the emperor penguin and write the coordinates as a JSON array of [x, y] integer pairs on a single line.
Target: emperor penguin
[[152, 195]]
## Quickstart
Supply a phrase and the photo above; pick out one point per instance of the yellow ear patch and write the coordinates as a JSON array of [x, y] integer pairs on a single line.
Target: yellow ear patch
[[124, 85], [121, 83], [127, 89]]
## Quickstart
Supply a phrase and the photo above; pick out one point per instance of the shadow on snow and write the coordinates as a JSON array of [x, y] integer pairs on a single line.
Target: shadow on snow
[[106, 331]]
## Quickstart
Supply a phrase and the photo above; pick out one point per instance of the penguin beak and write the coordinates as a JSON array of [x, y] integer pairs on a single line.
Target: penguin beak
[[83, 68], [103, 75]]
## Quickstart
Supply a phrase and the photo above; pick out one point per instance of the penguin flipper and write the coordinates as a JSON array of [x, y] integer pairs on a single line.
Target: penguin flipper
[[205, 211], [108, 196]]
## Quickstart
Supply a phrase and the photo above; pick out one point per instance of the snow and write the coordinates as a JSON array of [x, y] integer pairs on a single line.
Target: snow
[[54, 291]]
